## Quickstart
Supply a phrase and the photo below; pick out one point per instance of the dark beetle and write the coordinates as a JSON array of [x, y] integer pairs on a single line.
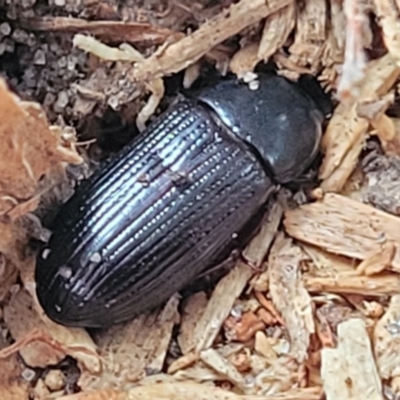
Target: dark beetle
[[166, 208]]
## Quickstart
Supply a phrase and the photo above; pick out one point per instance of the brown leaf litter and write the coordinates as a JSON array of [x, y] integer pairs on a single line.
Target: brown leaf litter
[[314, 310]]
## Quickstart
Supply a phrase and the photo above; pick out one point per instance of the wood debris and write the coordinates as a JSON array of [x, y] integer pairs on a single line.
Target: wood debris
[[289, 295], [220, 305], [310, 35], [346, 132], [382, 182], [190, 49], [386, 340], [41, 341], [185, 390], [389, 14], [311, 308], [330, 224], [12, 384], [134, 349], [349, 371], [276, 30]]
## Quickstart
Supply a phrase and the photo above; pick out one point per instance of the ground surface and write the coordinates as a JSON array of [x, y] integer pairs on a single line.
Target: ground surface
[[320, 318]]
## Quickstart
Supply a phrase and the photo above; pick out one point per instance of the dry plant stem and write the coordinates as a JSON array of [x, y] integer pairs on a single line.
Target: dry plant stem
[[389, 19], [190, 49], [349, 371], [346, 132], [344, 226], [125, 53], [109, 31]]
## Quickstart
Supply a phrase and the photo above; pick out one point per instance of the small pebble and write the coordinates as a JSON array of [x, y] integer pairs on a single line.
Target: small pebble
[[27, 3], [55, 380], [254, 85], [28, 374], [59, 3], [49, 99], [20, 36], [9, 45], [39, 58], [61, 102], [5, 28], [62, 62]]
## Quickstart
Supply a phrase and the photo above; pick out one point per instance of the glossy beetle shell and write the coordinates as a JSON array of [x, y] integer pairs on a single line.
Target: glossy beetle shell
[[166, 208]]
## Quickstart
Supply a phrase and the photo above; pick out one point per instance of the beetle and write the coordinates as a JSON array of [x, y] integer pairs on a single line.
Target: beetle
[[168, 206]]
